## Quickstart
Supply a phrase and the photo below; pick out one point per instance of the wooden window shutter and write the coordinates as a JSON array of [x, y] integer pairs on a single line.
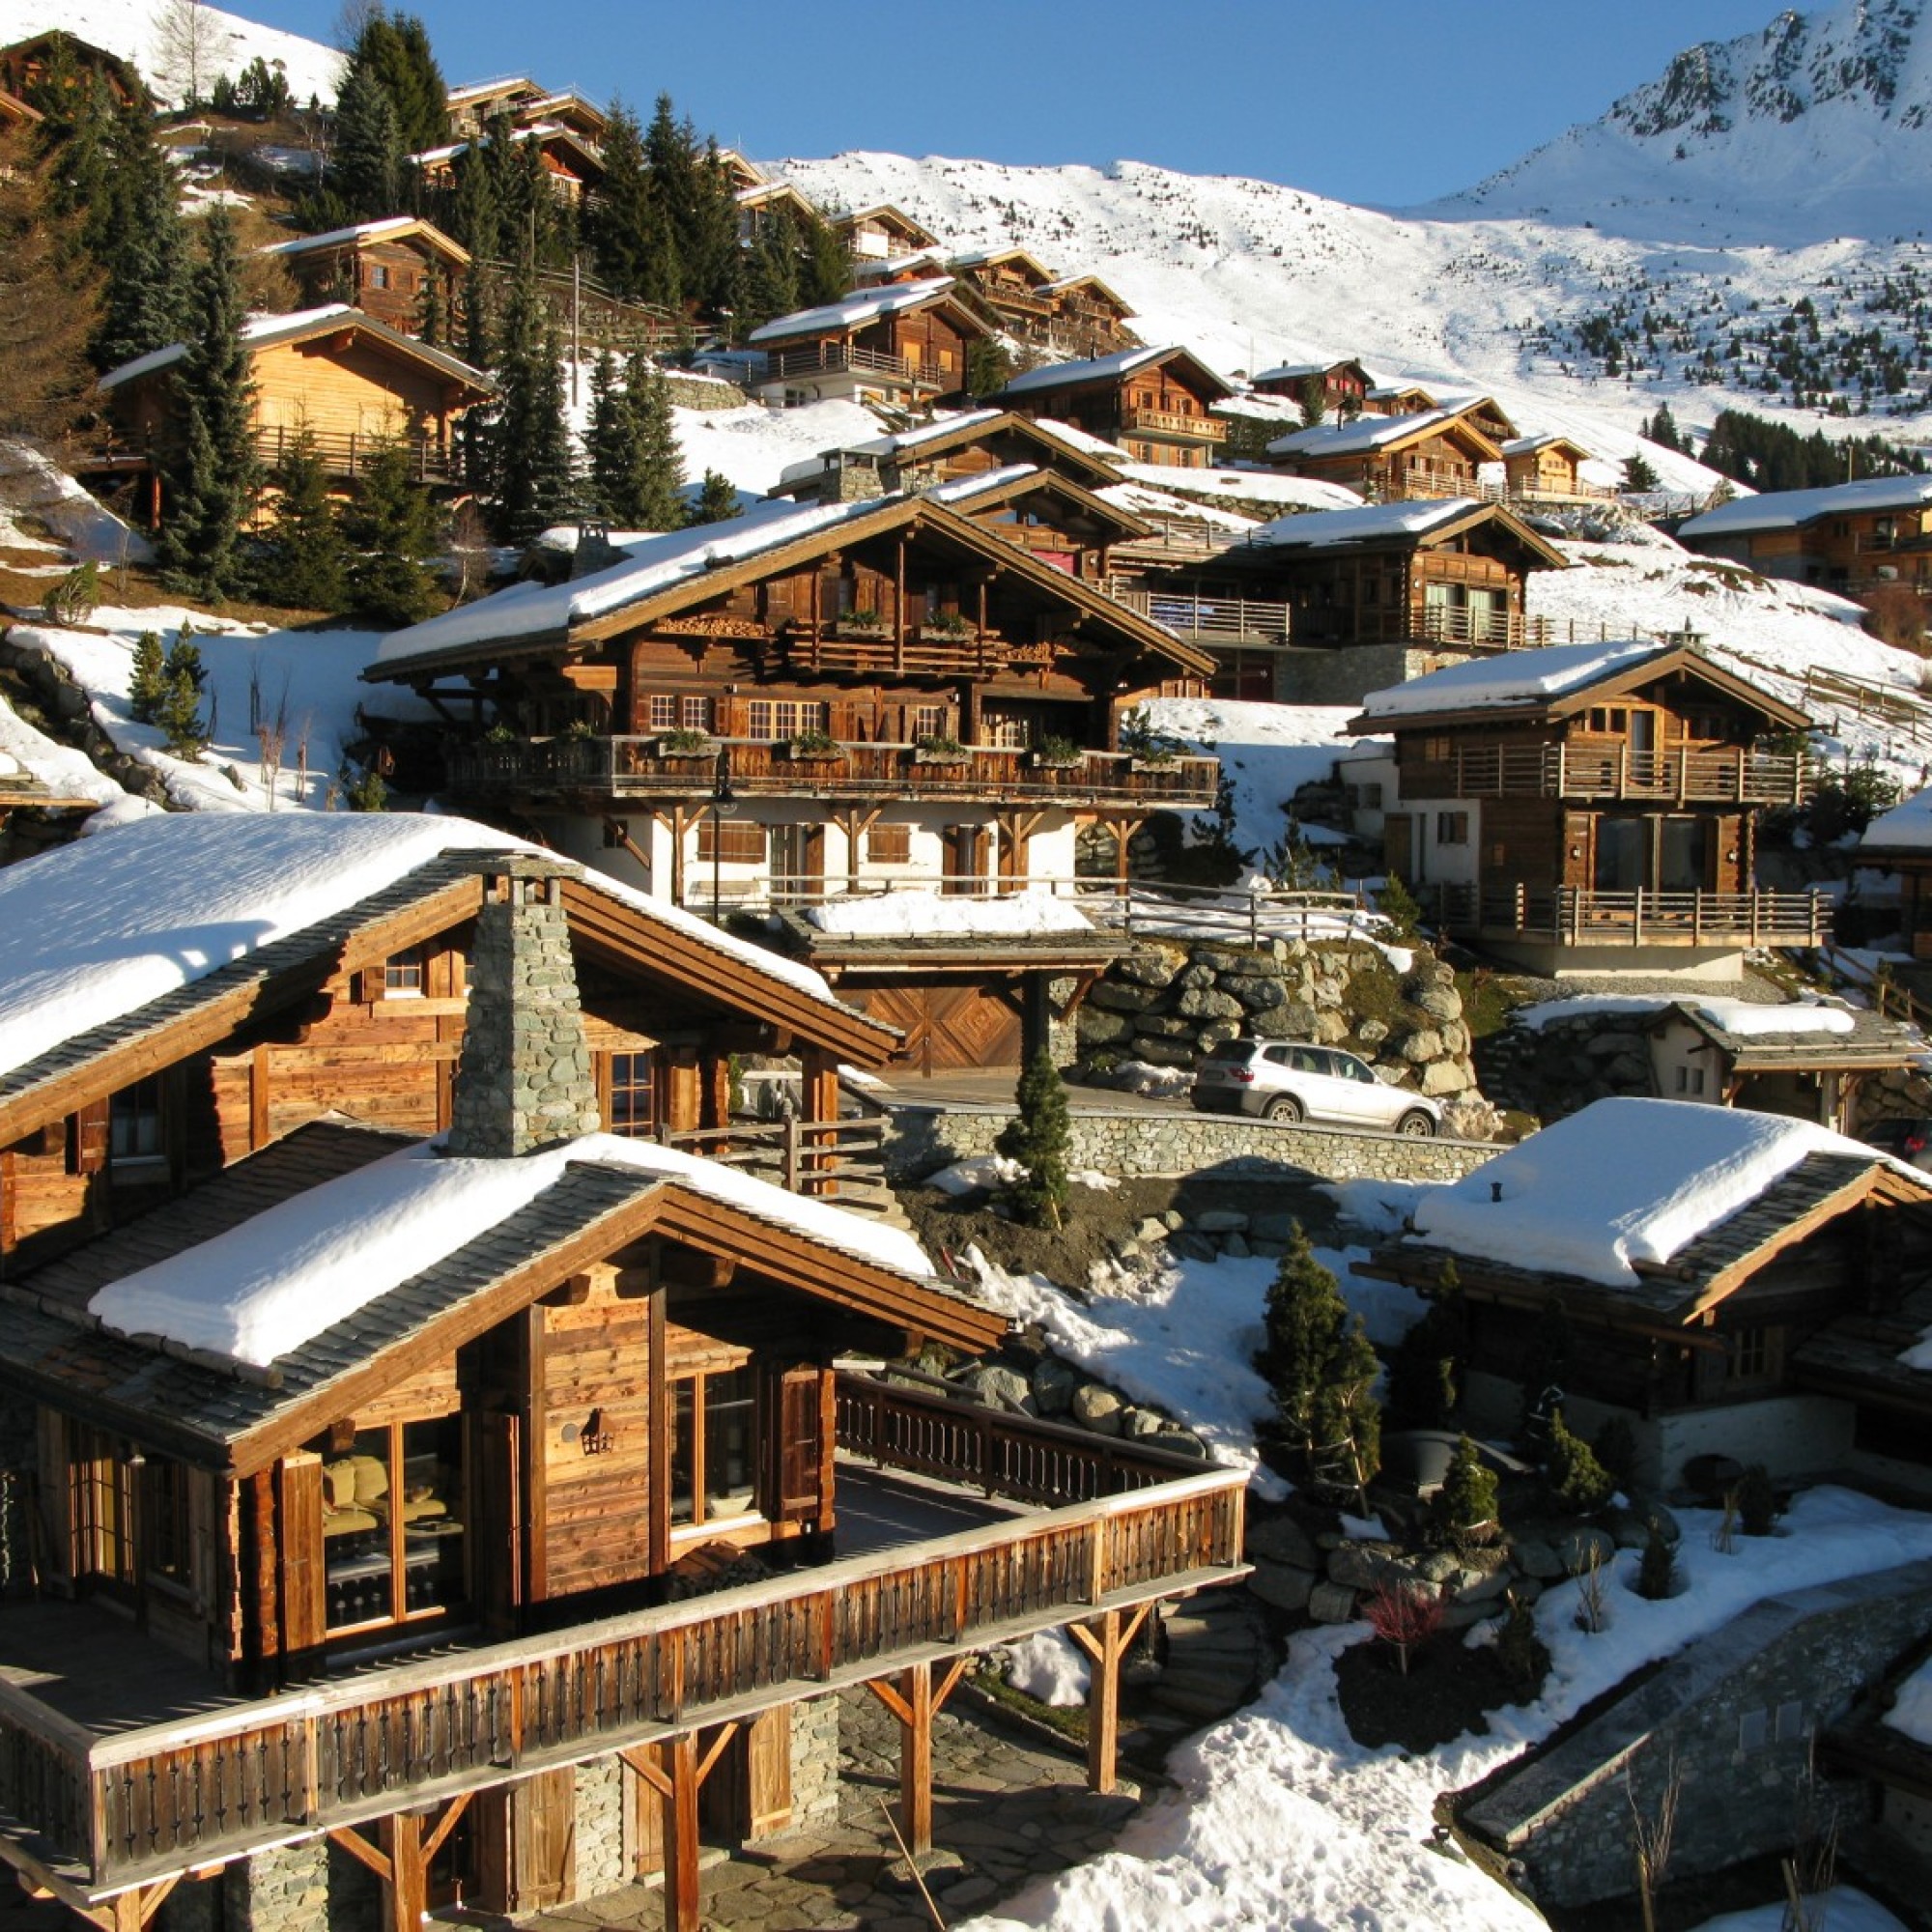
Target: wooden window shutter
[[87, 1137], [495, 1539], [796, 1437], [299, 1524]]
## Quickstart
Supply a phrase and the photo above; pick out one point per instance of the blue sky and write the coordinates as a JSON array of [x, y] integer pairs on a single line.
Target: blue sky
[[1385, 102]]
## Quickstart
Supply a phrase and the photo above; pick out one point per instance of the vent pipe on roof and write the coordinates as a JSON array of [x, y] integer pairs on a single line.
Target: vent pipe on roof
[[524, 1077]]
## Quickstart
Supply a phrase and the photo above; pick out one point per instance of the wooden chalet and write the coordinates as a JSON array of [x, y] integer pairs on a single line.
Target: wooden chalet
[[526, 104], [1327, 606], [1593, 807], [901, 343], [1852, 537], [572, 164], [880, 233], [1697, 1349], [1400, 399], [387, 270], [349, 380], [1156, 404], [1547, 469], [1343, 387], [15, 112], [760, 203], [57, 59], [1898, 844], [440, 1519], [1486, 415], [904, 692], [1393, 459], [739, 170], [1007, 282], [1088, 319]]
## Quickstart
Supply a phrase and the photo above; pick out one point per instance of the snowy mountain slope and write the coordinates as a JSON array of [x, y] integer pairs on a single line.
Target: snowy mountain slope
[[128, 28], [1819, 125]]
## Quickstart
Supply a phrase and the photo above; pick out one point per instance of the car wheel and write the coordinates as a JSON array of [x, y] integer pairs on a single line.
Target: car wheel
[[1415, 1125], [1283, 1107]]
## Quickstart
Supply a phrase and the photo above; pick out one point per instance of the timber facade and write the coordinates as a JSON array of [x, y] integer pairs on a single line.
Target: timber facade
[[1609, 826], [1156, 404], [1854, 538], [899, 343], [397, 273], [1393, 459]]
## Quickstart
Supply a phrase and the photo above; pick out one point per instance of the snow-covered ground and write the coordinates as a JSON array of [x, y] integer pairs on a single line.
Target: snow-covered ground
[[1842, 1909], [38, 497]]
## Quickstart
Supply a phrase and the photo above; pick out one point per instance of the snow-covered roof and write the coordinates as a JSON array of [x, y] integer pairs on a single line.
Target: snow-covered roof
[[1510, 677], [395, 226], [924, 914], [1528, 446], [1787, 509], [261, 1289], [1255, 486], [1364, 433], [1060, 285], [1910, 1708], [266, 331], [1099, 369], [911, 438], [1907, 826], [1371, 523], [93, 931], [1083, 441], [854, 311], [1741, 1019], [987, 258], [1289, 372], [1621, 1184]]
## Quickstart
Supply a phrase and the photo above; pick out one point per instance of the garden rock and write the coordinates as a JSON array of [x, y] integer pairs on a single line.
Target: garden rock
[[1358, 1566], [1575, 1547], [1536, 1559], [1053, 1386], [1221, 1221], [1331, 1603], [1282, 1584], [999, 1387], [1282, 1540], [1097, 1408]]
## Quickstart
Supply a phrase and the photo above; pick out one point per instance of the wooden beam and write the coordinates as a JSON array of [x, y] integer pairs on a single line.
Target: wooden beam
[[359, 1848], [405, 1895], [681, 1913], [915, 1701], [1105, 1640]]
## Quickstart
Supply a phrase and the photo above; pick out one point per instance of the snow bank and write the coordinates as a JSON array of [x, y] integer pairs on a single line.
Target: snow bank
[[1908, 824], [1589, 1005], [33, 486], [1047, 1665], [1844, 1908], [921, 914], [63, 771], [1621, 1182], [1510, 677], [1912, 1710], [259, 1291]]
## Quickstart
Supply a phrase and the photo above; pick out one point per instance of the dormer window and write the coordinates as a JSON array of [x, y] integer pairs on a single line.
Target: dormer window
[[134, 1123], [403, 974]]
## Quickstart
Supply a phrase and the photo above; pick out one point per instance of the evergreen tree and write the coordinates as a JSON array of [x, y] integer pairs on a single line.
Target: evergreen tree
[[147, 678], [368, 165], [1039, 1137], [306, 539], [770, 274], [178, 708], [1638, 476], [1577, 1479], [826, 273], [1468, 1498], [1347, 1444], [621, 221], [139, 239], [611, 444], [211, 468], [1313, 401], [472, 212], [989, 366], [394, 49], [432, 317], [477, 433], [391, 532], [1426, 1371], [716, 500], [532, 459], [658, 502], [49, 300], [1661, 429]]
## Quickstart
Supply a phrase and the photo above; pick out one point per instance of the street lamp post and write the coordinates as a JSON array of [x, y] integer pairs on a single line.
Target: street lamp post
[[724, 803]]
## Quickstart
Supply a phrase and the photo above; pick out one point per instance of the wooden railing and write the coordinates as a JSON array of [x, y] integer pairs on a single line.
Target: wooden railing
[[819, 1158], [635, 767], [835, 359], [1229, 617], [341, 452], [1170, 422], [1735, 777], [1861, 701], [113, 1810], [1575, 916]]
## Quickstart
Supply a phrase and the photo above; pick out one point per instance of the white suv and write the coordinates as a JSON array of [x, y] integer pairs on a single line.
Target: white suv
[[1285, 1080]]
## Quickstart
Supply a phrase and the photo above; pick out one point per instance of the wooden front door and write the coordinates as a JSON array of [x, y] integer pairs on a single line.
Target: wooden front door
[[948, 1027]]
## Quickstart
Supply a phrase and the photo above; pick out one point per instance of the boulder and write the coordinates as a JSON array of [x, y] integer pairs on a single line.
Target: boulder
[[1455, 1038], [1215, 960], [1053, 1385], [1146, 969], [1371, 1031], [1331, 1603], [1137, 1424], [1178, 1442], [1221, 1221], [1255, 995], [1235, 1245], [1164, 1052], [1536, 1559], [1163, 1026], [1116, 997], [1475, 1586], [1440, 1002], [1443, 1077], [998, 1386], [1204, 1003], [1096, 1028], [1576, 1549], [1271, 1227], [1097, 1408], [1613, 1045], [1331, 1027], [1358, 1566], [1282, 1540], [1188, 1246], [1284, 1585], [1421, 1047]]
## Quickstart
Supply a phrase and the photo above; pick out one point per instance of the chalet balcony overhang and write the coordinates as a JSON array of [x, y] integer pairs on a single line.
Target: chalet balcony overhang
[[1212, 619], [1579, 916], [1136, 420], [97, 1795], [846, 358], [603, 771], [1682, 777], [342, 453]]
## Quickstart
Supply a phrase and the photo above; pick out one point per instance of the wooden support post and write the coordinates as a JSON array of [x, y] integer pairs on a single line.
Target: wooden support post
[[406, 1892], [1105, 1640], [915, 1701], [680, 1835]]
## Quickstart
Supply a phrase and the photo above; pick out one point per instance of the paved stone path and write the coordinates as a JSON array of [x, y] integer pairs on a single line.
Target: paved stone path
[[1009, 1810]]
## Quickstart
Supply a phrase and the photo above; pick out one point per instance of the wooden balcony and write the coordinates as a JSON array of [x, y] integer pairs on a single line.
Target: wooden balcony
[[602, 770], [1683, 777], [1575, 916], [108, 1779], [840, 358], [1233, 619], [343, 453], [1136, 420]]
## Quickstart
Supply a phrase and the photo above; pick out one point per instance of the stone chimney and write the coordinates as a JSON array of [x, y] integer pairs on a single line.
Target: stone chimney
[[524, 1079]]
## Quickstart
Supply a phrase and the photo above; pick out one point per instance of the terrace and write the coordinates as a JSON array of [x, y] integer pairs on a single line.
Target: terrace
[[1578, 916]]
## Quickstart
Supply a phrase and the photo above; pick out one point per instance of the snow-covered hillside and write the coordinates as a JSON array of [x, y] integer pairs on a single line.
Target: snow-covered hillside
[[130, 28], [1820, 124]]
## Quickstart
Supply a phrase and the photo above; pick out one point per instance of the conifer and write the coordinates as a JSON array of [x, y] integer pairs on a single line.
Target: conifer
[[1468, 1498], [1577, 1479], [1038, 1138], [391, 532], [659, 504], [716, 500], [611, 444], [310, 559], [177, 709], [394, 49], [139, 239], [147, 678], [211, 468], [367, 166], [534, 487]]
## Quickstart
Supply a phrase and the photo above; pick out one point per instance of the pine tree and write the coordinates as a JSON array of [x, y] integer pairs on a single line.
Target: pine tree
[[177, 709], [1638, 476], [1039, 1137], [533, 461], [1468, 1498], [716, 500], [141, 242], [1577, 1479], [147, 678], [620, 223], [432, 317], [1425, 1373], [210, 469], [1661, 429], [368, 164], [611, 444], [1348, 1419], [391, 532], [658, 502], [394, 49], [477, 433], [827, 270], [1313, 401], [770, 274], [306, 539]]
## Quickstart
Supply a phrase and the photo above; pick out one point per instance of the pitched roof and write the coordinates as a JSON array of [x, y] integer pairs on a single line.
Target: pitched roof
[[211, 1255], [1288, 372], [1410, 525], [1067, 284], [150, 941], [862, 307], [393, 228], [668, 574], [884, 212], [1790, 509], [1098, 369], [946, 433], [993, 258], [1367, 433], [272, 332]]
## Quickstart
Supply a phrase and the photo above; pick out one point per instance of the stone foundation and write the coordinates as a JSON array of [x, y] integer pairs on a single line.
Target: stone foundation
[[602, 1865], [815, 1761]]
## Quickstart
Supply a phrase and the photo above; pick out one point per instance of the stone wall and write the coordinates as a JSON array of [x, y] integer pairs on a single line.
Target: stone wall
[[1734, 1716], [289, 1889], [1167, 1004], [1554, 1070], [1347, 676], [815, 1761], [1127, 1144], [703, 392], [599, 1821]]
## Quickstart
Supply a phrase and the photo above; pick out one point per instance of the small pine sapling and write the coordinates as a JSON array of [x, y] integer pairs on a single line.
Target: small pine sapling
[[1398, 905], [178, 711], [74, 597], [1657, 1569], [1404, 1614], [1520, 1652], [147, 679], [1579, 1482], [1039, 1137], [1757, 1502], [1465, 1505]]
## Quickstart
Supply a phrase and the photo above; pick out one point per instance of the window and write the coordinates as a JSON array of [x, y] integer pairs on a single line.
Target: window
[[379, 276], [1610, 721], [392, 1526], [888, 845], [1452, 827], [662, 711], [167, 1536], [402, 974], [1690, 1082], [772, 719], [731, 841], [694, 713], [630, 1110], [1437, 749], [1789, 1724], [713, 1441], [1754, 1730], [1755, 1354], [134, 1123], [928, 721]]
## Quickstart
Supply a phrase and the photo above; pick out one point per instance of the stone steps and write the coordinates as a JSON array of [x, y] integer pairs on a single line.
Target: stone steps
[[1215, 1652]]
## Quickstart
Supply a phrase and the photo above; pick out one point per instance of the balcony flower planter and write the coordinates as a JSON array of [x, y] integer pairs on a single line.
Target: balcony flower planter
[[945, 633], [875, 628], [1158, 762], [1040, 759], [809, 752]]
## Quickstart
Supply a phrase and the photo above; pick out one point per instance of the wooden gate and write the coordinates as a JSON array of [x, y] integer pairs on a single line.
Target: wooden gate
[[949, 1026]]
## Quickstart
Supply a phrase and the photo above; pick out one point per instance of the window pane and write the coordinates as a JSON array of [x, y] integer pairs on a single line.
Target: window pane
[[630, 1094], [134, 1121], [728, 1442], [428, 1499], [356, 1534], [683, 1450]]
